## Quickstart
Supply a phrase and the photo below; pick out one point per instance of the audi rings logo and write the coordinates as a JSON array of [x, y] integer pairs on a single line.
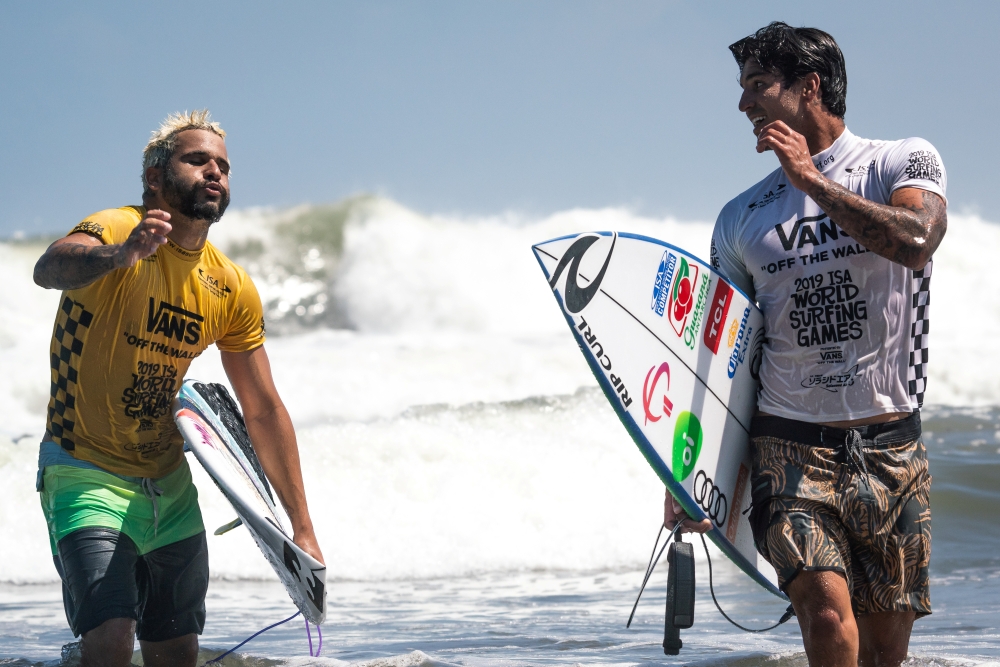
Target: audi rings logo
[[710, 498]]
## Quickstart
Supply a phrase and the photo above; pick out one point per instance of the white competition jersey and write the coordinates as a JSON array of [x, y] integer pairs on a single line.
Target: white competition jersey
[[846, 330]]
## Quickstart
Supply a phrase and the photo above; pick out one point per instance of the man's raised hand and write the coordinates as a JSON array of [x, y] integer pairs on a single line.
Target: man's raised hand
[[145, 239], [792, 151]]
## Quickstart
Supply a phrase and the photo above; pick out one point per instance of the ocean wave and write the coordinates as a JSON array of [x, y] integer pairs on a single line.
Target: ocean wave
[[437, 394]]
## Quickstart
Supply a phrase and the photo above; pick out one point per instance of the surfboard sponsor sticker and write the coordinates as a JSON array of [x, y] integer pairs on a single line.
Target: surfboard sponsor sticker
[[681, 300], [687, 445], [718, 310], [576, 297], [661, 287], [740, 351], [697, 315], [590, 339], [734, 515], [649, 393], [733, 329]]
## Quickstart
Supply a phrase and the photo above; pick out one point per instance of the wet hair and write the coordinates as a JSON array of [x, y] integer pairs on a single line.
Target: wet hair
[[795, 52], [163, 141]]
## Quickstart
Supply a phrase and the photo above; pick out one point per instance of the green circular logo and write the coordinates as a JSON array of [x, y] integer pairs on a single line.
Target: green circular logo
[[687, 445]]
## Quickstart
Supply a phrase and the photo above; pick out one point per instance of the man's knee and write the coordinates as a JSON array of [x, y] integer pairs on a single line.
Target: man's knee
[[885, 638], [111, 643], [178, 652], [822, 603], [829, 622]]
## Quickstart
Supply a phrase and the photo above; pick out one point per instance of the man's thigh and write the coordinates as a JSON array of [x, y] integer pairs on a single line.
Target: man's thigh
[[794, 514], [105, 578], [97, 567], [172, 583]]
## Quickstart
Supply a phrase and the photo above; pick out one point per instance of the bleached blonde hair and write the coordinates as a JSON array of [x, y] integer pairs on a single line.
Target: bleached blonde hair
[[164, 139]]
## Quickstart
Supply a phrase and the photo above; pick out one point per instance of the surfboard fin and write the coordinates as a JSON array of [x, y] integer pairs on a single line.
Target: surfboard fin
[[235, 523]]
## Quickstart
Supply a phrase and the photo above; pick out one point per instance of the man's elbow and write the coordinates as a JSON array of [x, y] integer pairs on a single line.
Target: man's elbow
[[40, 275], [924, 248]]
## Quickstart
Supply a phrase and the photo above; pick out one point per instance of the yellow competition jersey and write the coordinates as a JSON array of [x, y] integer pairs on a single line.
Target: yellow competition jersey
[[121, 346]]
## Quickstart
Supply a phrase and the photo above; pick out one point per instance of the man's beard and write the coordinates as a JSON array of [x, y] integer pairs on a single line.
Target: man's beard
[[186, 201]]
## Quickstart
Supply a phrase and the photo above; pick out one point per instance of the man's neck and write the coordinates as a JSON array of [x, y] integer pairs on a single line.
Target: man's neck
[[823, 131], [188, 233]]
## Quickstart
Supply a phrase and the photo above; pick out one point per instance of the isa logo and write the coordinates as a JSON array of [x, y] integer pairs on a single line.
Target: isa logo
[[687, 445], [661, 288]]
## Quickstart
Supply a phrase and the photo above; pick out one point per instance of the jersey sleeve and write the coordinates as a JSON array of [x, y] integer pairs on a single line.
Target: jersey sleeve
[[915, 163], [109, 226], [246, 324], [726, 255]]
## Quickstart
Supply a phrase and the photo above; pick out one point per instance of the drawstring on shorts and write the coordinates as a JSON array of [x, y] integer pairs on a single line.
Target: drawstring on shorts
[[153, 492], [854, 454], [854, 447]]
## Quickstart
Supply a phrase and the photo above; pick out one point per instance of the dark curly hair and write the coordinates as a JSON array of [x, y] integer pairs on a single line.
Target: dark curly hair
[[795, 52]]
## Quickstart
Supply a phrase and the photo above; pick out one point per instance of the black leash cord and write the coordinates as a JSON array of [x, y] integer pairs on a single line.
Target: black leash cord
[[787, 615], [652, 566]]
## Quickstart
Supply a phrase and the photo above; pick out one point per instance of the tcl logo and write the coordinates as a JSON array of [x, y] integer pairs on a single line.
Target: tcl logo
[[717, 315]]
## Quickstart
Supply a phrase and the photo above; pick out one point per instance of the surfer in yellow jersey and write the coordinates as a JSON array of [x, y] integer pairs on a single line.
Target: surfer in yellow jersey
[[836, 247], [144, 293]]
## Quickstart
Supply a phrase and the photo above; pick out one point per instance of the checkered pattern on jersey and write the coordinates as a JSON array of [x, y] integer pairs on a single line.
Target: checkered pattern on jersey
[[917, 372], [67, 345]]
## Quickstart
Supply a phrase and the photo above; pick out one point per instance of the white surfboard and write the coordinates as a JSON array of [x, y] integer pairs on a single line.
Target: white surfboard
[[676, 350], [213, 429]]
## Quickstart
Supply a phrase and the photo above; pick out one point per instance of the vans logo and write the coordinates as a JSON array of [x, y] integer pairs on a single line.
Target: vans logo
[[173, 322], [805, 232]]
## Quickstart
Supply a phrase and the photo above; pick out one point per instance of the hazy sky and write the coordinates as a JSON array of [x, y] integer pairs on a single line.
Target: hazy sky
[[466, 107]]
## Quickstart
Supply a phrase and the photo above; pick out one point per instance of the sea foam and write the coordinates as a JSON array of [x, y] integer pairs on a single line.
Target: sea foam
[[447, 422]]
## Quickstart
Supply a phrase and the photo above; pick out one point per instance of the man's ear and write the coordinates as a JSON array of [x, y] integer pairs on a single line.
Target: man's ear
[[154, 179], [811, 88]]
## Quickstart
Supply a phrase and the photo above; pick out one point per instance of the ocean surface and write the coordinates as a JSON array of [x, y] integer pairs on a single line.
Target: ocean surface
[[477, 500]]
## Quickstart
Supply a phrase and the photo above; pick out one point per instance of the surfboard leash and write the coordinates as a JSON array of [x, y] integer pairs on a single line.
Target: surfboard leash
[[680, 590], [784, 617], [270, 627]]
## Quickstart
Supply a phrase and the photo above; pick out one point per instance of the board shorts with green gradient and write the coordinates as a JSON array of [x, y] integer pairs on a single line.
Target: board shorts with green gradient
[[813, 511], [73, 498]]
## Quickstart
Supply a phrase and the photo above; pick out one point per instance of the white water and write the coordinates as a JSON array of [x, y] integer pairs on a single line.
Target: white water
[[455, 428]]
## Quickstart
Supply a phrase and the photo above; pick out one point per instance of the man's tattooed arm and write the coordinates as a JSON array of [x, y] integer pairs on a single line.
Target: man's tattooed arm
[[72, 264], [79, 259], [906, 232]]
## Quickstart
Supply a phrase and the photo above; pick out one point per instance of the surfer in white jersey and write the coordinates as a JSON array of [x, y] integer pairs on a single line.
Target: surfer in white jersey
[[835, 247]]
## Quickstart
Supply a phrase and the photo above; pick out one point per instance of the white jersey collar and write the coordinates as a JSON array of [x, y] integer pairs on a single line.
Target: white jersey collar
[[830, 158]]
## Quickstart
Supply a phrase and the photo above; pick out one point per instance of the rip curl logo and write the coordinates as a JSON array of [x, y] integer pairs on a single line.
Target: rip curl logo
[[924, 165], [649, 392], [88, 227], [832, 382], [575, 297]]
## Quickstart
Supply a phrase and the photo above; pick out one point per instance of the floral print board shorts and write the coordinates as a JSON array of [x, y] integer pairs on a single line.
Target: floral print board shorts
[[854, 501]]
